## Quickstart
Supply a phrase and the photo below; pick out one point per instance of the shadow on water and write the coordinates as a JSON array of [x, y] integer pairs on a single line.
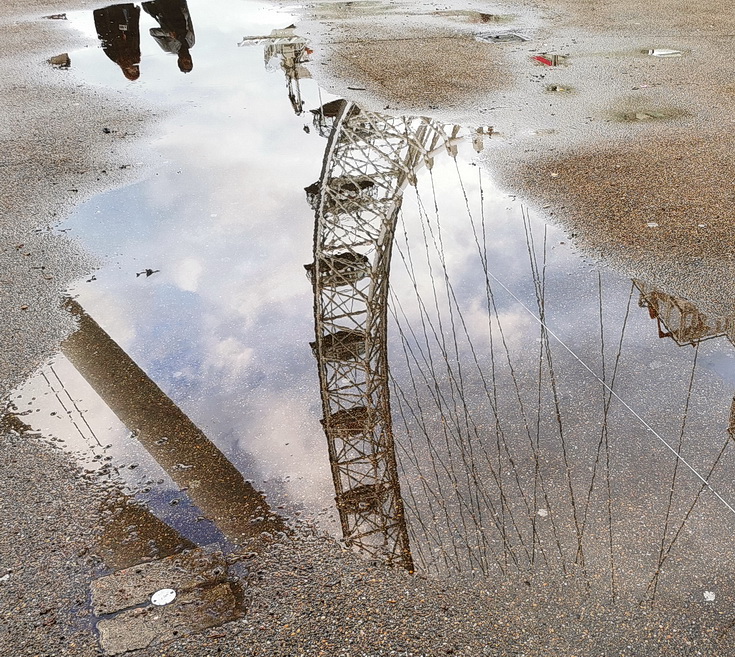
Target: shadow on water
[[492, 404]]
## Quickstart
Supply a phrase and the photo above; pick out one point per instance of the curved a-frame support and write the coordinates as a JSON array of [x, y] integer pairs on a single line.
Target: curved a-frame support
[[369, 161]]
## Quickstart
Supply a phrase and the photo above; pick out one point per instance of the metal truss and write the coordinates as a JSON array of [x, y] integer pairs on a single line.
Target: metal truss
[[369, 161], [680, 319], [291, 51]]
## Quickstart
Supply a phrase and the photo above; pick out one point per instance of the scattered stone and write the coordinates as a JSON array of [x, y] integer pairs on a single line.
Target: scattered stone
[[60, 61]]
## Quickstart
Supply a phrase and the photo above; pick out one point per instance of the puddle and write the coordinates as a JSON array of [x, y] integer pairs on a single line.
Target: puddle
[[501, 36], [477, 16], [660, 114], [664, 52], [345, 10], [477, 398], [550, 60]]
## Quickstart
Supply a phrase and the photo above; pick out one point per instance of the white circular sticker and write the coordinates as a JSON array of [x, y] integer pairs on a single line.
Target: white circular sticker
[[163, 597]]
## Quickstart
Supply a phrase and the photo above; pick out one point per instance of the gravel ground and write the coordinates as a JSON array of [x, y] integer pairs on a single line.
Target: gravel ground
[[55, 155], [305, 596], [660, 212], [625, 139]]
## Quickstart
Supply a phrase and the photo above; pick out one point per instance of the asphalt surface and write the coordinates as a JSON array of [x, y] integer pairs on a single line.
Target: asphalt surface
[[304, 595]]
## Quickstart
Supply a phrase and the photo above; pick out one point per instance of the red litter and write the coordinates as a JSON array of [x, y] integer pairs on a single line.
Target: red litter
[[544, 60]]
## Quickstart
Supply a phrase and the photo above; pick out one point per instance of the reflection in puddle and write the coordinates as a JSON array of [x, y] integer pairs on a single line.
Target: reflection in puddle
[[550, 60], [681, 320], [492, 404], [501, 36], [167, 434], [664, 52], [118, 29], [369, 161], [291, 52]]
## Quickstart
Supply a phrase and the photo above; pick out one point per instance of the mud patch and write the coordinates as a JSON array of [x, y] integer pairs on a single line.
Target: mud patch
[[643, 115], [477, 17]]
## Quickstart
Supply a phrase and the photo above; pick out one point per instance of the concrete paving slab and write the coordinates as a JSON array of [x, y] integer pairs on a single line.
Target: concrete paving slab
[[134, 586], [192, 611]]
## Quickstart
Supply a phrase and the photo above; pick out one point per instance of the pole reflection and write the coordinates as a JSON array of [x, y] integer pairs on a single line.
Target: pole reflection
[[167, 434]]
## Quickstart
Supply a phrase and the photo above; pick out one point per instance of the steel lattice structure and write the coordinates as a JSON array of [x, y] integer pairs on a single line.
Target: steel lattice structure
[[369, 161], [681, 319]]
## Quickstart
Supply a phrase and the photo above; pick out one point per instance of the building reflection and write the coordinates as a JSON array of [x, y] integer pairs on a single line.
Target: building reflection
[[133, 534], [184, 452], [289, 52], [680, 319]]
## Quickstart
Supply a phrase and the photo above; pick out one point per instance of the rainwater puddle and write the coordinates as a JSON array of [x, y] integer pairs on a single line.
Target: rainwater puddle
[[477, 398]]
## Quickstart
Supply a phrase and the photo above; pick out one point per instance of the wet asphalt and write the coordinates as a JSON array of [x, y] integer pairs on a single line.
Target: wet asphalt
[[303, 595]]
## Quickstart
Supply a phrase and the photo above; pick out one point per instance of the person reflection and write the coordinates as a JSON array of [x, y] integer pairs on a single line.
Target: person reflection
[[119, 31], [176, 33]]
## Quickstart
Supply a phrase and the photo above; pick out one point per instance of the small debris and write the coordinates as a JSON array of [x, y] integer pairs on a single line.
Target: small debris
[[542, 512], [60, 61], [500, 36], [709, 596], [147, 272], [652, 224], [549, 60], [163, 597], [664, 52], [56, 17], [558, 89], [5, 578], [357, 88], [107, 131], [24, 307]]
